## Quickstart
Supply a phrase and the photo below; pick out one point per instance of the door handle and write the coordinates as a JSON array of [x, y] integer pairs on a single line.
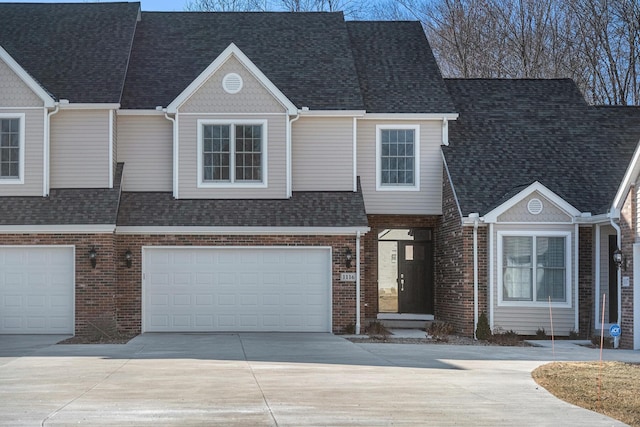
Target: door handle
[[401, 282]]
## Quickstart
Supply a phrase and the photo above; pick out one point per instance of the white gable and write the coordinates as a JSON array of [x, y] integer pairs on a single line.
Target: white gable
[[25, 78], [536, 203], [229, 52]]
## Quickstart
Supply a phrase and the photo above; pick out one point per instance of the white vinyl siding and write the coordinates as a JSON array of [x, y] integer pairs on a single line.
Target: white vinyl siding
[[527, 317], [14, 93], [275, 165], [427, 201], [212, 98], [30, 183], [80, 149], [322, 154], [145, 145]]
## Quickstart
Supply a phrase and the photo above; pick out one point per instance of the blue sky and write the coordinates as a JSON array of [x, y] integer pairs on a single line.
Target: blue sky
[[147, 5]]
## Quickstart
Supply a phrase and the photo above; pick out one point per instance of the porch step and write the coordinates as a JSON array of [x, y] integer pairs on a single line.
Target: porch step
[[405, 323]]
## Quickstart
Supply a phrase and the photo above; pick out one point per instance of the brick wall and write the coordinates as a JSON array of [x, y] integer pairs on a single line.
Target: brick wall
[[586, 285], [454, 267], [129, 280], [95, 292], [377, 223]]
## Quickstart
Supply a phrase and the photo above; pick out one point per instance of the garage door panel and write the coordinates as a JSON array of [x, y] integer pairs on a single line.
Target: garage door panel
[[36, 289], [238, 289]]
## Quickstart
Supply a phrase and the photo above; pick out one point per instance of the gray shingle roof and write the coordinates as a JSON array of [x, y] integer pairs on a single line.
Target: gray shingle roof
[[306, 55], [304, 209], [511, 133], [75, 51], [65, 206], [397, 70]]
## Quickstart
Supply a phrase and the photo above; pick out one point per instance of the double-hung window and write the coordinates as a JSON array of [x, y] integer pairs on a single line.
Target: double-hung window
[[231, 153], [398, 157], [535, 268], [11, 149]]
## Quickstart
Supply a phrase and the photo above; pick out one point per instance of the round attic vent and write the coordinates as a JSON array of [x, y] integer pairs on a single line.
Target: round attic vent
[[534, 206], [232, 83]]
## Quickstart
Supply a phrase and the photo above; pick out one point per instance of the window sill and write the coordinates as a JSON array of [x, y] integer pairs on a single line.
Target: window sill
[[11, 181], [534, 304], [235, 185], [397, 188]]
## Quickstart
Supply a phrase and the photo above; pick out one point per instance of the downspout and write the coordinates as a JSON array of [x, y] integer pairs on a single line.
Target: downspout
[[476, 218], [289, 155], [47, 150], [175, 154], [616, 340], [355, 154], [358, 325]]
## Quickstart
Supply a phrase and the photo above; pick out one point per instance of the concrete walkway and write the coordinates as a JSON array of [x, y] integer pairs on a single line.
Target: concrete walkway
[[281, 380]]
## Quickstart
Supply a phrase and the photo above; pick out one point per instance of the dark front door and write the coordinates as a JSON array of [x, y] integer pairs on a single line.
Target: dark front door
[[415, 277], [613, 281]]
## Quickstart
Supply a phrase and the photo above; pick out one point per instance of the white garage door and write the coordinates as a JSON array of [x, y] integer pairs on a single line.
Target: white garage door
[[36, 290], [237, 289]]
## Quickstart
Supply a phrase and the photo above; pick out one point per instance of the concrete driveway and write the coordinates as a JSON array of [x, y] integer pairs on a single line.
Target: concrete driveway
[[280, 380]]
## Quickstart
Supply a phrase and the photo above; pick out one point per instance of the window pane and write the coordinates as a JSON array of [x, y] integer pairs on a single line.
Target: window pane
[[397, 156], [248, 153], [9, 148], [550, 274], [517, 254], [215, 152]]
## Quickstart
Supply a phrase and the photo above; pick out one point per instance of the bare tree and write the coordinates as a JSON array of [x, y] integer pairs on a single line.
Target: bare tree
[[225, 5], [595, 42], [610, 36]]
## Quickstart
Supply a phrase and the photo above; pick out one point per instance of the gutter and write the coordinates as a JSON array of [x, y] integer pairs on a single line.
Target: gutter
[[476, 219], [288, 142], [358, 325], [175, 150], [46, 174]]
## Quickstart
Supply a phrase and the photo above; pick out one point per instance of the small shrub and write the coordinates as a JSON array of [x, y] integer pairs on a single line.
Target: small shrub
[[508, 338], [377, 330], [440, 331], [483, 332], [573, 335], [541, 334], [607, 342], [350, 329]]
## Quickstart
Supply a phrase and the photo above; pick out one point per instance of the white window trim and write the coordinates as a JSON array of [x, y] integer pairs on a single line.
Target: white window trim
[[568, 270], [21, 117], [416, 150], [232, 123]]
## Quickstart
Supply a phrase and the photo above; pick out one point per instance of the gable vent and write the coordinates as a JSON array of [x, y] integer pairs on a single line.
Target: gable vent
[[534, 206], [232, 83]]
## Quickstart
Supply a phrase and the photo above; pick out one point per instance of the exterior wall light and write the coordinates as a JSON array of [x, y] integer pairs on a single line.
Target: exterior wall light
[[618, 259], [93, 256], [348, 257], [128, 258]]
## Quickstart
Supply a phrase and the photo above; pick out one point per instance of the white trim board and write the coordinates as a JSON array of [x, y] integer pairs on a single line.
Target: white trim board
[[241, 231], [56, 229]]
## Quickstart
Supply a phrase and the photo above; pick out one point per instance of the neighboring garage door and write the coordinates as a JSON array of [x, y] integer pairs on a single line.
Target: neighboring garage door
[[36, 290], [237, 289]]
